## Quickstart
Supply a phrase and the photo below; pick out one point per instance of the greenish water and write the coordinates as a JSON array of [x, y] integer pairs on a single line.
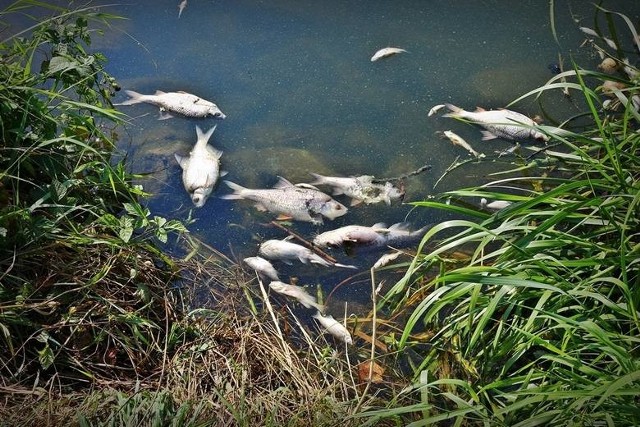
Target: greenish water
[[301, 95]]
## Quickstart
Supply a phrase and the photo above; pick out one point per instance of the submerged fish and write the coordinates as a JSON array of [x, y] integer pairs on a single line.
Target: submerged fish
[[201, 169], [181, 7], [376, 235], [458, 140], [387, 51], [361, 188], [262, 267], [499, 123], [178, 102], [299, 203], [298, 293], [334, 327], [386, 259], [285, 251]]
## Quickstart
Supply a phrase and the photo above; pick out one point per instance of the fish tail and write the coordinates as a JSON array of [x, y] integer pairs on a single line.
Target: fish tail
[[353, 267], [134, 98], [203, 138], [455, 111], [321, 308], [235, 187], [319, 179]]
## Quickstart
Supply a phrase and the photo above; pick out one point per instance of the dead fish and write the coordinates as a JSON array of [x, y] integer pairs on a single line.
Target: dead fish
[[352, 234], [386, 259], [262, 267], [285, 251], [387, 51], [300, 203], [458, 140], [181, 7], [178, 102], [298, 293], [435, 109], [501, 123], [201, 169], [495, 205], [334, 327], [361, 188], [376, 235]]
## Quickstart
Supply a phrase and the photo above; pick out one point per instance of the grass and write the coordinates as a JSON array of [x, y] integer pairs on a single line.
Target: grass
[[534, 310]]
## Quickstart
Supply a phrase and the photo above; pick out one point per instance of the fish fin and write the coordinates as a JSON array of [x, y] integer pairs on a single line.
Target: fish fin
[[286, 239], [203, 138], [283, 183], [305, 185], [159, 92], [134, 98], [182, 161], [235, 187], [480, 109], [164, 115], [224, 173], [353, 267], [453, 108], [400, 226], [487, 136], [283, 217], [319, 179], [354, 202]]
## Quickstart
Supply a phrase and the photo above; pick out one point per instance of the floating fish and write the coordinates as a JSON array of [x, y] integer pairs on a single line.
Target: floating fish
[[298, 293], [334, 327], [361, 188], [495, 205], [386, 259], [435, 109], [262, 266], [201, 169], [353, 234], [499, 123], [181, 7], [297, 202], [285, 251], [458, 140], [387, 51], [376, 235], [178, 102]]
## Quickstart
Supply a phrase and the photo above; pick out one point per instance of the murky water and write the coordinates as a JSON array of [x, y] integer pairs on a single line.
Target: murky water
[[301, 95]]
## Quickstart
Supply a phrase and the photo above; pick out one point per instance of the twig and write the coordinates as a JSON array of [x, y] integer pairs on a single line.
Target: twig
[[401, 177], [373, 340]]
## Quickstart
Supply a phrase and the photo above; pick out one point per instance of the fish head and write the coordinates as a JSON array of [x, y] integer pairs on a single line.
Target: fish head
[[199, 196], [333, 209], [216, 113], [392, 192], [539, 136]]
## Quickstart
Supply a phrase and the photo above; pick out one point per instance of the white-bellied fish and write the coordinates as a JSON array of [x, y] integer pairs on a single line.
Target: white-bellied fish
[[386, 259], [285, 251], [294, 201], [458, 140], [353, 234], [177, 102], [385, 52], [435, 109], [298, 293], [501, 123], [200, 170], [262, 267], [334, 327], [361, 188], [496, 205]]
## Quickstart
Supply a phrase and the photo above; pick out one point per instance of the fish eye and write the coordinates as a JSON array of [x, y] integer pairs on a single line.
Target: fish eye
[[216, 114]]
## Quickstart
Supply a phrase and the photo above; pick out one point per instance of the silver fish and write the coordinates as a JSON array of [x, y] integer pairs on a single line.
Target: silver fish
[[353, 234], [201, 169], [361, 188], [181, 7], [262, 266], [435, 109], [178, 102], [299, 203], [334, 327], [499, 123], [384, 52], [458, 140], [376, 235], [285, 251], [495, 205], [386, 259], [298, 293]]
